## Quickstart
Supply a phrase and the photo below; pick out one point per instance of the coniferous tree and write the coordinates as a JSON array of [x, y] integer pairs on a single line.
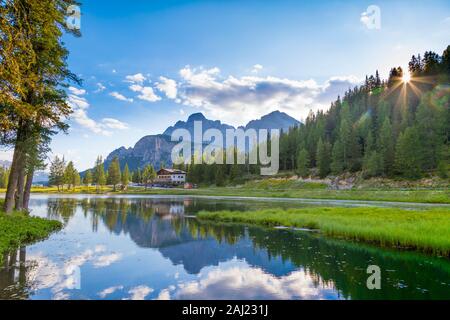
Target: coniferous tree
[[99, 177], [323, 158], [337, 163], [407, 159], [57, 169], [234, 172], [303, 163], [69, 174], [76, 179], [114, 175], [87, 180], [125, 177], [430, 127], [373, 164], [148, 175], [33, 69], [220, 176], [386, 147]]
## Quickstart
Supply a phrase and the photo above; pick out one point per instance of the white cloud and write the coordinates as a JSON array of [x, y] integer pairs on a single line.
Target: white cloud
[[246, 283], [76, 91], [136, 78], [114, 124], [136, 88], [106, 260], [61, 276], [104, 293], [364, 19], [80, 106], [200, 77], [140, 292], [240, 99], [257, 68], [77, 102], [146, 93], [168, 86], [163, 295], [80, 116], [120, 97], [100, 87], [149, 95]]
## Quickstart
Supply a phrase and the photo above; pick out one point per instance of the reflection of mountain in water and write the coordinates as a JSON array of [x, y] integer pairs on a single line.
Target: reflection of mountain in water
[[195, 252], [154, 233], [195, 245], [201, 253]]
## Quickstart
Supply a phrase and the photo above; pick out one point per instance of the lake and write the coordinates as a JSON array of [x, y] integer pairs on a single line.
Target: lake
[[153, 247]]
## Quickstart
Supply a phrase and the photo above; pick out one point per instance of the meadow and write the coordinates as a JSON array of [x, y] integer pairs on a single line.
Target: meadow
[[309, 191], [422, 230], [278, 188], [20, 229]]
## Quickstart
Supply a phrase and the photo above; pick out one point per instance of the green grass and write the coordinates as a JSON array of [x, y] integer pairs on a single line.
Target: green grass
[[427, 231], [283, 184], [76, 190], [282, 188], [20, 229], [395, 195]]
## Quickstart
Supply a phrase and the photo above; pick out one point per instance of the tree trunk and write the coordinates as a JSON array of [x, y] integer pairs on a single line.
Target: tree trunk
[[12, 183], [13, 178], [27, 191], [20, 187]]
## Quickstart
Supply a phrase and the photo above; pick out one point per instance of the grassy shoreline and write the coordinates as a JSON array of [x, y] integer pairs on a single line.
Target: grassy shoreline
[[426, 231], [392, 195], [417, 196], [19, 229]]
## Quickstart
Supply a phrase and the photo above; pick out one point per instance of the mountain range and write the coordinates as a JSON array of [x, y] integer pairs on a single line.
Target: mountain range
[[156, 149]]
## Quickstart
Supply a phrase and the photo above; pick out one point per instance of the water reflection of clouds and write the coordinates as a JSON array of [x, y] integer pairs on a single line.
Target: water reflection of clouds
[[106, 260], [108, 291], [249, 283], [139, 293], [58, 277]]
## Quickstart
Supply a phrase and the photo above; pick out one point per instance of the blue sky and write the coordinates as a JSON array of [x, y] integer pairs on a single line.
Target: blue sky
[[147, 64]]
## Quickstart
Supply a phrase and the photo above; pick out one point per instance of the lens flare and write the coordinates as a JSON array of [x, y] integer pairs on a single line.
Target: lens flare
[[406, 77]]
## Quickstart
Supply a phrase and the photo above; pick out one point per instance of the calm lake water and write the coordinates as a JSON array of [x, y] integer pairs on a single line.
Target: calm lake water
[[154, 248]]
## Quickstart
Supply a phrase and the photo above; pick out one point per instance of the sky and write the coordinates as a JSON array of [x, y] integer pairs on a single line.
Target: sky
[[147, 64]]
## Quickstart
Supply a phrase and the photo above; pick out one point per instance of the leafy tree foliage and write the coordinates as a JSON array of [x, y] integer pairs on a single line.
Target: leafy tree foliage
[[125, 179], [148, 175], [99, 176], [33, 75], [57, 172], [114, 174], [303, 163], [87, 180]]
